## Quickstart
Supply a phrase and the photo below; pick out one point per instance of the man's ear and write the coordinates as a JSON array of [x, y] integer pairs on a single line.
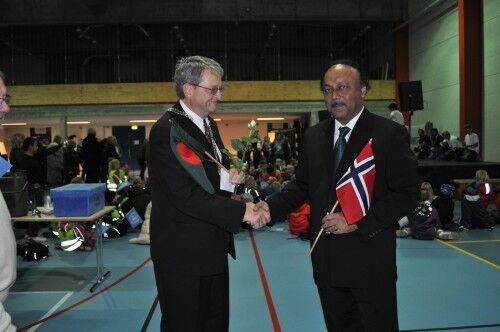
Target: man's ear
[[187, 89], [364, 91]]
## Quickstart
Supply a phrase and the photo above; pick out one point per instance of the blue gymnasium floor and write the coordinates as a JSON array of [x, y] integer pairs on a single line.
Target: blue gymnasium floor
[[451, 286]]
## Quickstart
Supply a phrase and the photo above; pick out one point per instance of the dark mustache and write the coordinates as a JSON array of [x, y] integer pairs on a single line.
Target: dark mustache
[[337, 103]]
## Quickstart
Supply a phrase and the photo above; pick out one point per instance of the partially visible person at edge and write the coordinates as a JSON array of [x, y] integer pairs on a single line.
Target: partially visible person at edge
[[7, 239], [354, 265], [395, 115], [191, 229]]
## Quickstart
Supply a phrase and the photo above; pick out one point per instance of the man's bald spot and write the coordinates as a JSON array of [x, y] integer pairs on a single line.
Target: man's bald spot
[[344, 66]]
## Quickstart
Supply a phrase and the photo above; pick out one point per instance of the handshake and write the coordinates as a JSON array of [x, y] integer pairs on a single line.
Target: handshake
[[257, 215]]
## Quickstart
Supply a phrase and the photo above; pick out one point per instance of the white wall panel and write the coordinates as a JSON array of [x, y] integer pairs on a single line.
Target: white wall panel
[[491, 19], [434, 61]]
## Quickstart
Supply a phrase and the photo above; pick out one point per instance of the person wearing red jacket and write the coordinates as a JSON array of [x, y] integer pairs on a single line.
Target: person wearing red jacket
[[298, 221]]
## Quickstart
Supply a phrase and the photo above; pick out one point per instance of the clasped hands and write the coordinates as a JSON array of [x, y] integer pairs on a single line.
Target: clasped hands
[[257, 215], [335, 223]]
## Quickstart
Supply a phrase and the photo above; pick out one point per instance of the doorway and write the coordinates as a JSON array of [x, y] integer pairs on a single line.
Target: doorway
[[130, 140]]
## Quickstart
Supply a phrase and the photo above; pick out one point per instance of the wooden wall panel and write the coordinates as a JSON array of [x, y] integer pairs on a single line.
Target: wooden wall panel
[[159, 93]]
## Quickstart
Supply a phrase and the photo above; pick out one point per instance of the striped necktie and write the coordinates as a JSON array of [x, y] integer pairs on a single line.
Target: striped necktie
[[210, 138]]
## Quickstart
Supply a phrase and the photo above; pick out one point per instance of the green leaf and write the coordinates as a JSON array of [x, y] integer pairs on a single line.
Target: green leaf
[[237, 163], [227, 153], [246, 141], [237, 144]]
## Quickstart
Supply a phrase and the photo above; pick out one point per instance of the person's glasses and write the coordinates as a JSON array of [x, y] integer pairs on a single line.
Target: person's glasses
[[214, 90], [329, 90], [5, 98]]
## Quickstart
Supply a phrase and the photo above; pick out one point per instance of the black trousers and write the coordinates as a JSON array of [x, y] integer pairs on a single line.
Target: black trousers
[[360, 309], [193, 303]]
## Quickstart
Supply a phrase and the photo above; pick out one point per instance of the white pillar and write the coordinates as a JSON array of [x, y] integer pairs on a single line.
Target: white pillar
[[313, 118], [63, 127]]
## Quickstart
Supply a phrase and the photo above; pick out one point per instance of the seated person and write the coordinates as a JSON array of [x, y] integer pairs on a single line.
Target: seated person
[[137, 196], [455, 142], [446, 151], [424, 145], [143, 237], [488, 194], [474, 214], [73, 235], [115, 176], [444, 205], [436, 140], [423, 222], [471, 142]]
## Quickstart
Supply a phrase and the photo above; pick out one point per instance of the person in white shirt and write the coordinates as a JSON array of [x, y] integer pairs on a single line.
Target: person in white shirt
[[395, 114], [471, 143], [7, 240], [455, 143]]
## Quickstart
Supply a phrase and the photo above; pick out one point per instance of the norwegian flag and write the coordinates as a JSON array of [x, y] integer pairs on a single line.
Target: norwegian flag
[[355, 187]]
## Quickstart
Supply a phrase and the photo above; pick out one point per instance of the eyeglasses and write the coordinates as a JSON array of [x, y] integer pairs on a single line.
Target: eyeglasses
[[213, 91], [5, 98], [329, 90]]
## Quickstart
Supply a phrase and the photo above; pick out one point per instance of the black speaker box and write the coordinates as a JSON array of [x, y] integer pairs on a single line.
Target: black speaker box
[[410, 96]]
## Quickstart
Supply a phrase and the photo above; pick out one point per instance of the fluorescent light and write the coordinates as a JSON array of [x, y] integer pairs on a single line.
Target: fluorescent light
[[142, 121], [134, 127], [270, 119], [15, 124], [78, 122], [217, 119]]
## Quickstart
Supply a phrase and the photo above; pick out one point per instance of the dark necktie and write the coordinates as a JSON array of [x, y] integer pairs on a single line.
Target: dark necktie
[[210, 138], [339, 148]]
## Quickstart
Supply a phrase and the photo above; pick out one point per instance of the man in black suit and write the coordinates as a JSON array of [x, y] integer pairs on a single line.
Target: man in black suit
[[191, 226], [354, 265]]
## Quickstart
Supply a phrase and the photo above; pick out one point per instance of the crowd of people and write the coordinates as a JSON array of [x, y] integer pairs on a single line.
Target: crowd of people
[[53, 164], [434, 145], [199, 207], [434, 217], [443, 146]]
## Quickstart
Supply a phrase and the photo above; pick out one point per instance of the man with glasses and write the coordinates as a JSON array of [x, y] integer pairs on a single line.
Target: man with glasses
[[191, 226], [354, 265], [7, 240]]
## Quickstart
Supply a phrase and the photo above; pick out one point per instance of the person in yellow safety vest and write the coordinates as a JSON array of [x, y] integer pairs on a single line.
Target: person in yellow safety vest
[[116, 175]]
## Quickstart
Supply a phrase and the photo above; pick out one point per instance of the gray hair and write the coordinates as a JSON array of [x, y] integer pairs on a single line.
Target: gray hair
[[189, 70]]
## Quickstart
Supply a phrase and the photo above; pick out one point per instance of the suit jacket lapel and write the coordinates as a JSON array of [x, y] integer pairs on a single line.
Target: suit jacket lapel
[[198, 135], [361, 134], [218, 141], [191, 128], [327, 138]]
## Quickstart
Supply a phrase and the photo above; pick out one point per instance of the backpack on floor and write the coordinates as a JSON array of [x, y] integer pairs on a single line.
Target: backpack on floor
[[32, 250], [75, 235]]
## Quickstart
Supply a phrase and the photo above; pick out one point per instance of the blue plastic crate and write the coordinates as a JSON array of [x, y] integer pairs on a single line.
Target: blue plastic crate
[[78, 199]]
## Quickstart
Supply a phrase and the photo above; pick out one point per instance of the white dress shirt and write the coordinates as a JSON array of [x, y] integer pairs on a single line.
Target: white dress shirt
[[349, 124], [225, 183]]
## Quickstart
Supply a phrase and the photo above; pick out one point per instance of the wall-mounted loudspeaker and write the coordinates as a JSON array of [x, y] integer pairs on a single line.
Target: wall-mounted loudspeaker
[[410, 96]]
